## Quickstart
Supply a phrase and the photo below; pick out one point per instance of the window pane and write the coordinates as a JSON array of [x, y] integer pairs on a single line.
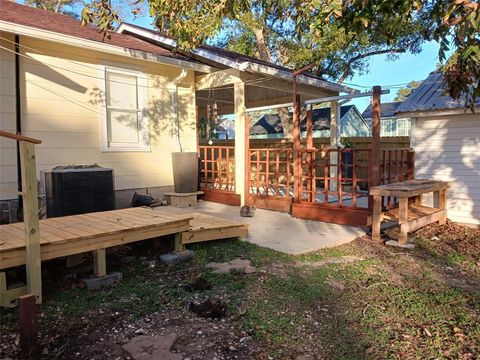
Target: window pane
[[123, 126], [401, 128], [121, 91]]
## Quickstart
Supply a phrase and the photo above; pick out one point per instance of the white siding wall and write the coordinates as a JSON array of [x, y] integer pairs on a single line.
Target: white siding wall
[[448, 148]]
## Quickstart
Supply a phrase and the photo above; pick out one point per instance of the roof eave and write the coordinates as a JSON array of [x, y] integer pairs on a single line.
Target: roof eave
[[241, 66], [48, 35]]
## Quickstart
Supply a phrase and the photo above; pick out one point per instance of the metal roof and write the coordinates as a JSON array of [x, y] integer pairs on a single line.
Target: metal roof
[[387, 110], [430, 95]]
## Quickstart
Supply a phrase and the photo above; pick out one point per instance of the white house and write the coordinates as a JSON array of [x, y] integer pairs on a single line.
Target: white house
[[446, 139], [390, 124]]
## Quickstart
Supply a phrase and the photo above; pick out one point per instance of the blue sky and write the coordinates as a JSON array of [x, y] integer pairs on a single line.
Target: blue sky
[[406, 68]]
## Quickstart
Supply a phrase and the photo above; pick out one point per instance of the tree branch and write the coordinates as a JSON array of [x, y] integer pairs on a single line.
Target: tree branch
[[346, 72]]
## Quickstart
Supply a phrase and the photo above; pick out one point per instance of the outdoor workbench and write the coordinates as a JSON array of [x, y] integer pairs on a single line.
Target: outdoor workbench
[[411, 214]]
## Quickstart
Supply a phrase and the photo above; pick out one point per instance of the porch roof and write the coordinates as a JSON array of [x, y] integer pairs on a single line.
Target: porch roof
[[223, 58]]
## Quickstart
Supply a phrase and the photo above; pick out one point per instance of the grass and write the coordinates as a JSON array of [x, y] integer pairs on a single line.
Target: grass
[[389, 305]]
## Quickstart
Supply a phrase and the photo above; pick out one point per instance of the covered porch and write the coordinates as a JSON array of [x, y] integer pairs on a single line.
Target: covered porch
[[311, 181]]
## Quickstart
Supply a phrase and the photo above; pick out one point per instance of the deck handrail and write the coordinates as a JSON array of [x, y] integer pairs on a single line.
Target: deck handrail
[[19, 137]]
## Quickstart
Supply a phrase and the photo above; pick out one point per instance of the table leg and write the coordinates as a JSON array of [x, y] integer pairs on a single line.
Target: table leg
[[440, 202], [377, 217], [403, 221]]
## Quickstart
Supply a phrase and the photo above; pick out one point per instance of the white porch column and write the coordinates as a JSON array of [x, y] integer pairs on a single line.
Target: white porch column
[[240, 123], [334, 134]]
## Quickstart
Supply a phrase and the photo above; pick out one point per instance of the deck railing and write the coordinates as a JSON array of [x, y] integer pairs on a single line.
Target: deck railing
[[217, 168], [335, 177], [271, 172], [338, 178]]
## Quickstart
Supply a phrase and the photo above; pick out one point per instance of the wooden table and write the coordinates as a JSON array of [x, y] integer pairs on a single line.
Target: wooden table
[[411, 214]]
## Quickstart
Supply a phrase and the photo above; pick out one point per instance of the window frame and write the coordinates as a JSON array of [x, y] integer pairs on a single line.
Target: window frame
[[143, 144]]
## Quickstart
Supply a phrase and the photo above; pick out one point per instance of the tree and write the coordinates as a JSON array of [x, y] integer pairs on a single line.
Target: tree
[[335, 34], [56, 6], [403, 92]]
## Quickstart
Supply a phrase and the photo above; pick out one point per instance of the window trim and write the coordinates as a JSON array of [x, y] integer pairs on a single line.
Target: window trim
[[142, 92]]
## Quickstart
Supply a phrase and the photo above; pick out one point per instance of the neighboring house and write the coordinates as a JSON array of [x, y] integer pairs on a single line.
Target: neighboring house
[[352, 124], [221, 133], [390, 125], [446, 139], [226, 129], [125, 101]]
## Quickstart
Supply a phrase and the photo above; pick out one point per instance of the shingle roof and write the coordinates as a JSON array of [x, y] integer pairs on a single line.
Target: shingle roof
[[387, 110], [67, 25], [271, 123], [430, 95]]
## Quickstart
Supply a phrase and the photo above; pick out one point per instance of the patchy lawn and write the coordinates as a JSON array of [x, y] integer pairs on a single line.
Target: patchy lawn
[[358, 301]]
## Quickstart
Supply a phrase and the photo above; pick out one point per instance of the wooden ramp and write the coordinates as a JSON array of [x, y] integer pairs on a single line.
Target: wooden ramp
[[206, 228]]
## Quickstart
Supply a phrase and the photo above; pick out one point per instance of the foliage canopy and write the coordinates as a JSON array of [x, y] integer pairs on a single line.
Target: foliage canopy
[[337, 35]]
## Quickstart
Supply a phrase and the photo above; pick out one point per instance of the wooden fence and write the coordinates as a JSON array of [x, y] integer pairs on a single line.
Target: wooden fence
[[394, 142]]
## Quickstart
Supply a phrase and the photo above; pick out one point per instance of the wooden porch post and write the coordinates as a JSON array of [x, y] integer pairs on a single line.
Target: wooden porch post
[[297, 165], [240, 142], [334, 121], [309, 129], [375, 161], [247, 158]]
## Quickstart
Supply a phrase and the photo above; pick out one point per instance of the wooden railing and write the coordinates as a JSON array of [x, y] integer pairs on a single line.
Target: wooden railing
[[271, 172], [335, 177], [217, 168]]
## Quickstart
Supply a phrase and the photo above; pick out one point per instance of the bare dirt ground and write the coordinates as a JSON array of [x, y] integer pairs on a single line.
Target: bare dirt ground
[[358, 301]]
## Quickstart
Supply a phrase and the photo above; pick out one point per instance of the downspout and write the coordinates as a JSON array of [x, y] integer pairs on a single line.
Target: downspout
[[176, 117], [18, 125]]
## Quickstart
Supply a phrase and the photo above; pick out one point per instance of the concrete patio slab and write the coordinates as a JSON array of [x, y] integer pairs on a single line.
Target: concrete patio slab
[[279, 231]]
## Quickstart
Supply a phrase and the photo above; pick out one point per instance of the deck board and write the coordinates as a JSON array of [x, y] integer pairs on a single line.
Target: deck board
[[75, 234], [206, 228]]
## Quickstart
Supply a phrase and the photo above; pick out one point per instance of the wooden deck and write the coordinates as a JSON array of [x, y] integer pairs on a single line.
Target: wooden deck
[[76, 234], [70, 235]]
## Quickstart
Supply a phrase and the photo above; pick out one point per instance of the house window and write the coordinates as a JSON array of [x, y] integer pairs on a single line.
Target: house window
[[126, 123], [386, 128]]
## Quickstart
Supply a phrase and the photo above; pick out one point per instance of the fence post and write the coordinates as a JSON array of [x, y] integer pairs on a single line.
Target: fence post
[[376, 136], [411, 164]]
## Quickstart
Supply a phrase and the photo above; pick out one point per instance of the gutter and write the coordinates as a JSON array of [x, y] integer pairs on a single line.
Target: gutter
[[18, 125], [176, 118]]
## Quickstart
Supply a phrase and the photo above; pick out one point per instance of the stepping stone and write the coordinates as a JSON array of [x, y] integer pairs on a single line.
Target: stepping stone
[[395, 243], [97, 283], [152, 347], [238, 264], [174, 258]]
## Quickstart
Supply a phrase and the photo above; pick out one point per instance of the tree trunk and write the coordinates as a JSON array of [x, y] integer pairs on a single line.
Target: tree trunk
[[287, 123], [262, 46]]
